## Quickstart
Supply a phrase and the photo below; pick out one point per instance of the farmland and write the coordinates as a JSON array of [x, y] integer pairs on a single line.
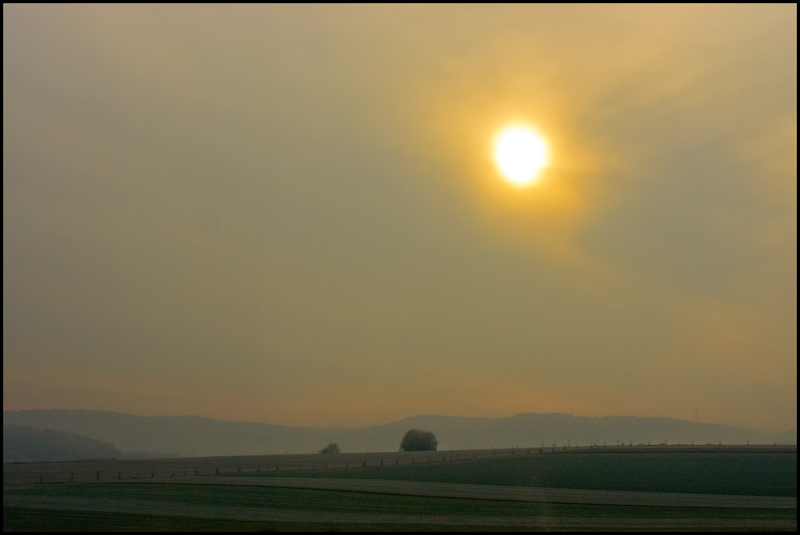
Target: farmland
[[753, 470], [177, 506], [759, 474], [466, 491]]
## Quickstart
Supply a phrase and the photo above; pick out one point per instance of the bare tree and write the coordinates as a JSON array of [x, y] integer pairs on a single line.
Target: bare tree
[[331, 448], [416, 440]]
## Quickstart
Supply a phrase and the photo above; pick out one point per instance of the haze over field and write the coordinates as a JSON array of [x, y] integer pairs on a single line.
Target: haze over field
[[192, 436], [292, 214]]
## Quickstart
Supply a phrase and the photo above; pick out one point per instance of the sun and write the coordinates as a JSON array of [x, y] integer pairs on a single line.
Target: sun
[[520, 154]]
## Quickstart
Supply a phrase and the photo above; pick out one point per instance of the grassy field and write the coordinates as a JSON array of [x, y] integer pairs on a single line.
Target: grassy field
[[153, 499], [111, 469], [212, 507], [753, 474]]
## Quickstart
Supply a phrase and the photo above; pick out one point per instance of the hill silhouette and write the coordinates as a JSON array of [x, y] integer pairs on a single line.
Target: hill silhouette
[[198, 436], [26, 444]]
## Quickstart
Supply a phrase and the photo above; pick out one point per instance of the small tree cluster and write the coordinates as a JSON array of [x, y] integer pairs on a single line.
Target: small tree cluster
[[416, 440], [331, 448]]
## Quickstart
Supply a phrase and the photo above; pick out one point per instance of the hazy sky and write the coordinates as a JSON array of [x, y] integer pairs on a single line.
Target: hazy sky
[[291, 214]]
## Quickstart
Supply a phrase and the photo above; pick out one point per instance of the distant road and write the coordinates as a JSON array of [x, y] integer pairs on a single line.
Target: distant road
[[496, 492], [676, 448], [328, 518]]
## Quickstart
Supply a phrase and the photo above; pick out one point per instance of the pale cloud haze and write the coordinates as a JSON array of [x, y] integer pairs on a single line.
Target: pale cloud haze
[[290, 214]]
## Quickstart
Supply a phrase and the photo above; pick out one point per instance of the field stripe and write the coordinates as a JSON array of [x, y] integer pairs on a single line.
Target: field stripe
[[66, 503], [496, 492]]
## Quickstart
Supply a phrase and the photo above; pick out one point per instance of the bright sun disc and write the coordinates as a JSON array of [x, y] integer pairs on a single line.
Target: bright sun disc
[[520, 153]]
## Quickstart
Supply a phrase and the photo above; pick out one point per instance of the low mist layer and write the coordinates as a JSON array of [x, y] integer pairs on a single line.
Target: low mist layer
[[196, 436]]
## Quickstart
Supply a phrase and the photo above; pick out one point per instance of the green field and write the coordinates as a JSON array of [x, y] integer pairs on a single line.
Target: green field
[[417, 512], [219, 502], [753, 474]]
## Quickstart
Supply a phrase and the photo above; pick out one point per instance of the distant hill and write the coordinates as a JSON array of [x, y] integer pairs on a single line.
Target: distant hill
[[23, 444], [196, 436]]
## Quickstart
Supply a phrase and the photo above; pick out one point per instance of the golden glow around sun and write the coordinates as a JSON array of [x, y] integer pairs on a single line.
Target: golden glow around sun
[[520, 154]]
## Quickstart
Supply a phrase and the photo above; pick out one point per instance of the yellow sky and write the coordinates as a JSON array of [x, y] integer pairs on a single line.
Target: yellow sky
[[291, 214]]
